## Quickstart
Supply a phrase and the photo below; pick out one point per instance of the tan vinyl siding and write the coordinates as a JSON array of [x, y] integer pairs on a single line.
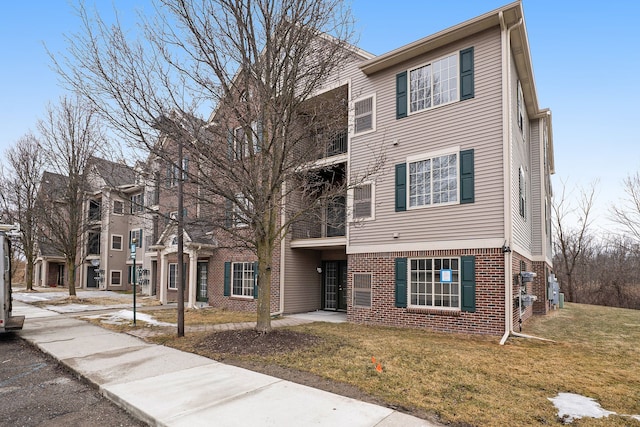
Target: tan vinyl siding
[[302, 283], [537, 201], [521, 157], [470, 124]]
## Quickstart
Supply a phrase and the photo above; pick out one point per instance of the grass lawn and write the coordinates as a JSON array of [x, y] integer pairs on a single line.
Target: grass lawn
[[470, 380]]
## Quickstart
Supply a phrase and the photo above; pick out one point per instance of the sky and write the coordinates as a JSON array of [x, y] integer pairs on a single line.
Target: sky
[[585, 60]]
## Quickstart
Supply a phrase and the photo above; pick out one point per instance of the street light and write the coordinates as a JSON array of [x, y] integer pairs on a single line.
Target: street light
[[134, 242]]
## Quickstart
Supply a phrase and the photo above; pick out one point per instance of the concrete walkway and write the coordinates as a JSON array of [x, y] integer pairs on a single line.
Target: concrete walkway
[[167, 387]]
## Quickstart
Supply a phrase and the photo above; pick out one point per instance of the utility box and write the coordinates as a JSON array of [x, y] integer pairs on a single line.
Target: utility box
[[561, 299], [553, 290]]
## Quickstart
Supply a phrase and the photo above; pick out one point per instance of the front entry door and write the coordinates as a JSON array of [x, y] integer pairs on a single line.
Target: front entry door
[[335, 285], [202, 282], [91, 277]]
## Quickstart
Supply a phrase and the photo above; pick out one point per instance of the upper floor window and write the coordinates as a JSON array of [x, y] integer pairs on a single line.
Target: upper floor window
[[118, 207], [137, 203], [364, 115], [137, 235], [520, 110], [445, 80], [245, 144], [95, 210], [433, 180], [93, 243], [433, 84], [522, 190], [116, 242]]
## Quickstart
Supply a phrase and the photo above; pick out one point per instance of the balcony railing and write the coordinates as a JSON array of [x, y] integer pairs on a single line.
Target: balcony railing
[[327, 221]]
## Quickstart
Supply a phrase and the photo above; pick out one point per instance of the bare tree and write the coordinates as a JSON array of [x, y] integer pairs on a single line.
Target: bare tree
[[261, 66], [572, 235], [18, 190], [627, 214], [71, 134]]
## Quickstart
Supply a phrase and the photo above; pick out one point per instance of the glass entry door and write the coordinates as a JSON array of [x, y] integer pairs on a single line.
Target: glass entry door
[[202, 281], [334, 285]]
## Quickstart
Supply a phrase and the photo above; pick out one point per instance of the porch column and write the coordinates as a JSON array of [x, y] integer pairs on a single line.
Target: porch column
[[193, 270], [163, 278], [44, 274]]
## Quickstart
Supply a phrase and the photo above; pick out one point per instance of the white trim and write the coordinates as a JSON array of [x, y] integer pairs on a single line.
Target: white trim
[[431, 154], [121, 242], [427, 246], [324, 242], [352, 113]]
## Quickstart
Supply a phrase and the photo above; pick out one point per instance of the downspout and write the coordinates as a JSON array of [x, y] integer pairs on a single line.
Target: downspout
[[506, 141]]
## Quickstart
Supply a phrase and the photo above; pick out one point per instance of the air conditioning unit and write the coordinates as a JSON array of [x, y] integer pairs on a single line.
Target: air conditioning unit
[[527, 276], [528, 300]]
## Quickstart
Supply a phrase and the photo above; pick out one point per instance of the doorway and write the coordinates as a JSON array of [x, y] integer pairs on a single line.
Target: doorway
[[91, 276], [334, 284], [201, 294]]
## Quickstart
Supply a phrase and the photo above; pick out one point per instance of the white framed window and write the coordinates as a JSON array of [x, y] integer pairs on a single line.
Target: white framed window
[[362, 289], [434, 282], [520, 110], [240, 209], [364, 115], [434, 84], [245, 145], [136, 234], [137, 203], [116, 242], [116, 278], [118, 207], [363, 201], [242, 279], [433, 179], [172, 277], [522, 193]]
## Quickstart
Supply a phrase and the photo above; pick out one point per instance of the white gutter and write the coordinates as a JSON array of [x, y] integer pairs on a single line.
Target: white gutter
[[506, 141]]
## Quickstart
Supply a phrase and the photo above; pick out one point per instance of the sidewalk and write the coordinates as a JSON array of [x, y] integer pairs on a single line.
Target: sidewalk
[[167, 387]]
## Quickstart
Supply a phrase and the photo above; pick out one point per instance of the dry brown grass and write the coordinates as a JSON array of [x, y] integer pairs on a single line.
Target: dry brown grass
[[469, 380], [202, 316]]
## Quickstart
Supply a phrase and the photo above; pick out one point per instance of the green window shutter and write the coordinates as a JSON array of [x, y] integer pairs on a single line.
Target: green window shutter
[[140, 239], [255, 280], [467, 178], [466, 74], [227, 279], [468, 279], [401, 187], [401, 95], [401, 282]]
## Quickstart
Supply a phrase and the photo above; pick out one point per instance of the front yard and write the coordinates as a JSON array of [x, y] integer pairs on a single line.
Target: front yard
[[456, 379]]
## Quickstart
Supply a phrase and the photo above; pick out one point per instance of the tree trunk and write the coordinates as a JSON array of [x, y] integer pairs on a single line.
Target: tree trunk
[[265, 257], [28, 274], [71, 277]]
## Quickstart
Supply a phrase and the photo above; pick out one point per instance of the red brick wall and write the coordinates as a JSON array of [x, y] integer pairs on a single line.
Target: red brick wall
[[488, 318]]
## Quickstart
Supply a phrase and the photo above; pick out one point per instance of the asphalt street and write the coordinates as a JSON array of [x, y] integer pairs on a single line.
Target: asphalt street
[[36, 391]]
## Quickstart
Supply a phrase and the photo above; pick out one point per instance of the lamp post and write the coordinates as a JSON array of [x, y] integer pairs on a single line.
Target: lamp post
[[134, 242]]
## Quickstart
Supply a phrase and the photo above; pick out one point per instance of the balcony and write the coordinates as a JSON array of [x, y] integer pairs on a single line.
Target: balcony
[[95, 211], [335, 145], [325, 222]]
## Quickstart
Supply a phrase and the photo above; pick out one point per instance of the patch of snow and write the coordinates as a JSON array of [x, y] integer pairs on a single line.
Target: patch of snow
[[74, 308], [123, 316], [571, 406]]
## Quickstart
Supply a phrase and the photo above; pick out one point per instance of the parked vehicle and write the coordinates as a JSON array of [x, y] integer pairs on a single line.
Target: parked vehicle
[[7, 321]]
